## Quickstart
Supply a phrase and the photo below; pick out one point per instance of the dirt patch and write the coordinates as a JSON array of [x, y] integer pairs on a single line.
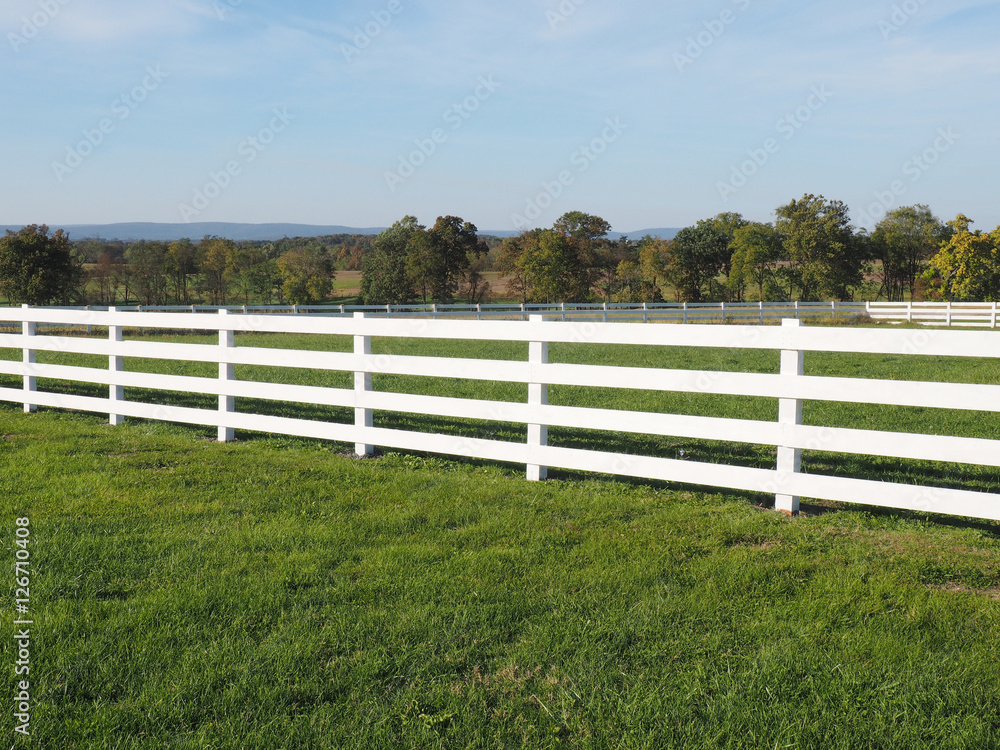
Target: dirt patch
[[958, 588]]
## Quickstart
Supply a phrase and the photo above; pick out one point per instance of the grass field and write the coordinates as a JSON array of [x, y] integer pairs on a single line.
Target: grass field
[[274, 593]]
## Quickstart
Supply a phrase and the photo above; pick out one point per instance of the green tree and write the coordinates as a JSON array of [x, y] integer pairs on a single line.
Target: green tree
[[439, 258], [697, 256], [384, 275], [903, 241], [147, 263], [826, 259], [757, 252], [38, 268], [306, 275], [967, 268], [182, 262]]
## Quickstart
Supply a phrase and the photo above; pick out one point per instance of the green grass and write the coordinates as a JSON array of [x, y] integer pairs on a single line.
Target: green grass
[[272, 593]]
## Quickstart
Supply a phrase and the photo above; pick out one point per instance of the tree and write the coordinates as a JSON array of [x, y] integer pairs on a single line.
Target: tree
[[654, 256], [216, 265], [967, 268], [439, 258], [306, 275], [826, 260], [182, 261], [38, 268], [697, 256], [757, 251], [904, 240], [148, 266], [384, 276]]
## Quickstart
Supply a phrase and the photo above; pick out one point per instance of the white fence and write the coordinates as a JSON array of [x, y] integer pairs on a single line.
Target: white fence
[[959, 314], [789, 386]]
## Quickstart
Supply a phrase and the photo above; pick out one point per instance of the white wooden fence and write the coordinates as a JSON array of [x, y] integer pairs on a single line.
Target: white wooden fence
[[952, 314], [790, 386]]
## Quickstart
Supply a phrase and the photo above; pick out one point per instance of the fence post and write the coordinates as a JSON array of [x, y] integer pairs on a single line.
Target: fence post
[[362, 384], [948, 312], [722, 307], [796, 304], [685, 318], [789, 413], [116, 393], [227, 373], [762, 312], [538, 395], [993, 316], [28, 331]]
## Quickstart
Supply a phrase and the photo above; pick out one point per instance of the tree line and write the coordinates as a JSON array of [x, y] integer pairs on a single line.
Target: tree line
[[39, 267], [809, 252]]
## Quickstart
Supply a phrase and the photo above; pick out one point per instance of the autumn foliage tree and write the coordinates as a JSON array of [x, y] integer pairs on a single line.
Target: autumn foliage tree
[[967, 267]]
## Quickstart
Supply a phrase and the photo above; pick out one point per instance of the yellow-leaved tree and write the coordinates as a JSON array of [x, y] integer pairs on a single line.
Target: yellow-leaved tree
[[967, 268]]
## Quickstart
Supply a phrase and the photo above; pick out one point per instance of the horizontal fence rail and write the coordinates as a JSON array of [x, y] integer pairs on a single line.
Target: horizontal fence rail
[[788, 385], [957, 314]]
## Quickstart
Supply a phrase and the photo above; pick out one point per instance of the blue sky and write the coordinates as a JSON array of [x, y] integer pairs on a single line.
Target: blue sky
[[648, 114]]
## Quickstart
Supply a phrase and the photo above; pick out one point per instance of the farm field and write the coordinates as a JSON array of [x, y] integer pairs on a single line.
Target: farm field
[[276, 592], [273, 593]]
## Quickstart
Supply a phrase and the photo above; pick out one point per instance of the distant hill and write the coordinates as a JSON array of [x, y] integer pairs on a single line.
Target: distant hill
[[254, 232]]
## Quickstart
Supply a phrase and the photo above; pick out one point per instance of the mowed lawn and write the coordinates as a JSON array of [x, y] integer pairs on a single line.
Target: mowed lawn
[[276, 593]]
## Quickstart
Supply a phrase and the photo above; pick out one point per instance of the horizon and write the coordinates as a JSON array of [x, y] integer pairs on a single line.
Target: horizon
[[648, 116]]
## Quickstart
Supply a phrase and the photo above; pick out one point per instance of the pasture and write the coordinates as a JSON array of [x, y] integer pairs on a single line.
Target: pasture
[[277, 592]]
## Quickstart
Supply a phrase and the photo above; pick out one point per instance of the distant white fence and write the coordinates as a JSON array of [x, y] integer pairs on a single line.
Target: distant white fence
[[790, 386], [971, 314]]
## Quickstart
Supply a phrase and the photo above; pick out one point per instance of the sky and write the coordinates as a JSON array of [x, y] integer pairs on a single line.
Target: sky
[[507, 114]]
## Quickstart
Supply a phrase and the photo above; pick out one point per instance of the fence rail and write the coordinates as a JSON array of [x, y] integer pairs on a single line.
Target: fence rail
[[790, 386], [958, 314]]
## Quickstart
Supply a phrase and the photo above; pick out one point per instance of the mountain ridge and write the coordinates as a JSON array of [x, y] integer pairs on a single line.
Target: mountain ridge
[[166, 232]]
